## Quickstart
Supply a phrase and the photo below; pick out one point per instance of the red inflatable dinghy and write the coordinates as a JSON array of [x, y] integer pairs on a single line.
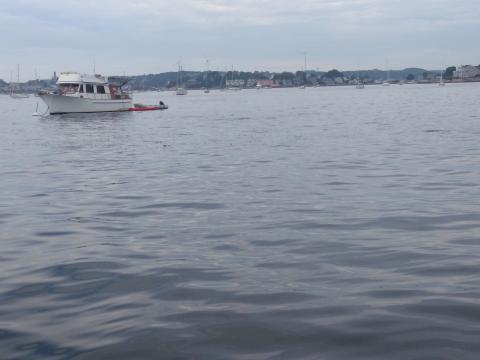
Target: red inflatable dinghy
[[141, 107]]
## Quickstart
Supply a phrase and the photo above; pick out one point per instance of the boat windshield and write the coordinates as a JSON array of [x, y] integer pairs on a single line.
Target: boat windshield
[[68, 88]]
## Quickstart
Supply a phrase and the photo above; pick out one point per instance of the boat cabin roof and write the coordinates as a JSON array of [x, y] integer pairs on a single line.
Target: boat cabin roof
[[77, 78]]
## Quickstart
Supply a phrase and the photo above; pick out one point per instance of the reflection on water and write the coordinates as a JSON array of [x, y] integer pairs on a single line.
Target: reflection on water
[[327, 223]]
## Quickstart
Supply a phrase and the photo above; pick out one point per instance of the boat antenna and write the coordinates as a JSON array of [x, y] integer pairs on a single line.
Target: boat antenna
[[94, 66]]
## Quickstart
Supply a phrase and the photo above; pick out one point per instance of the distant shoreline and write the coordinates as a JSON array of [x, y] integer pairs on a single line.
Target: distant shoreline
[[198, 80]]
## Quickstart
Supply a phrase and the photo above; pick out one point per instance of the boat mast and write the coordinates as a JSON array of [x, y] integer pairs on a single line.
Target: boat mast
[[206, 75], [223, 80], [305, 68], [179, 74], [305, 62]]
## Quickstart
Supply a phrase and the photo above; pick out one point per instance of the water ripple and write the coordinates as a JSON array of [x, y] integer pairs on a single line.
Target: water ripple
[[339, 225]]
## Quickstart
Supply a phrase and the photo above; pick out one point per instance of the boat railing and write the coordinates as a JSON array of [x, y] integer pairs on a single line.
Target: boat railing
[[95, 96]]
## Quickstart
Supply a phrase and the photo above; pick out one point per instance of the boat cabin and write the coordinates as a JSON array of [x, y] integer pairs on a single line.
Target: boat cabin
[[89, 87]]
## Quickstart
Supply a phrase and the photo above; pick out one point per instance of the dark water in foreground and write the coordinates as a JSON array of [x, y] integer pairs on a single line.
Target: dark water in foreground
[[279, 224]]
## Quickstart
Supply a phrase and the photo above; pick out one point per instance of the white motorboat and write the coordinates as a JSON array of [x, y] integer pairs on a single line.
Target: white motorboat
[[79, 93]]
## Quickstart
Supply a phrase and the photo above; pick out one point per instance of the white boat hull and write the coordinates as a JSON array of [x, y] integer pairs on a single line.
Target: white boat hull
[[60, 104]]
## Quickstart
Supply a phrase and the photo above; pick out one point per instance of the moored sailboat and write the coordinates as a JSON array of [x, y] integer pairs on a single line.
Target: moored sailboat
[[15, 92], [387, 81], [207, 90], [181, 90], [441, 83], [359, 84]]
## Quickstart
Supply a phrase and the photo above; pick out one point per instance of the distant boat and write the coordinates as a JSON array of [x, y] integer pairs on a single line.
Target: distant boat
[[359, 84], [441, 83], [207, 90], [223, 82], [15, 92], [15, 95], [233, 86], [387, 81], [303, 86], [180, 89]]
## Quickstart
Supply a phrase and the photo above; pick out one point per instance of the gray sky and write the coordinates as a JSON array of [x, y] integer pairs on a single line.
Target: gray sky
[[151, 36]]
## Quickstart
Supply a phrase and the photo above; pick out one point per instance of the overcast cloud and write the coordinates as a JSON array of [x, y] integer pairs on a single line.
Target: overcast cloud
[[148, 36]]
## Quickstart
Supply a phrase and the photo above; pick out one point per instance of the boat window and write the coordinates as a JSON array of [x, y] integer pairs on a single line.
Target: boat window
[[89, 88], [68, 88], [100, 89], [80, 89]]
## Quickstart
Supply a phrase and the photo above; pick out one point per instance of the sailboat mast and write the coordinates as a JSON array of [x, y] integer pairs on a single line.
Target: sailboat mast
[[304, 68], [179, 75], [18, 73], [206, 75]]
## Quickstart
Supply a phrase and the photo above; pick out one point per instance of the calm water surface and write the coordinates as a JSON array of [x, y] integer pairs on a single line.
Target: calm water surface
[[327, 223]]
